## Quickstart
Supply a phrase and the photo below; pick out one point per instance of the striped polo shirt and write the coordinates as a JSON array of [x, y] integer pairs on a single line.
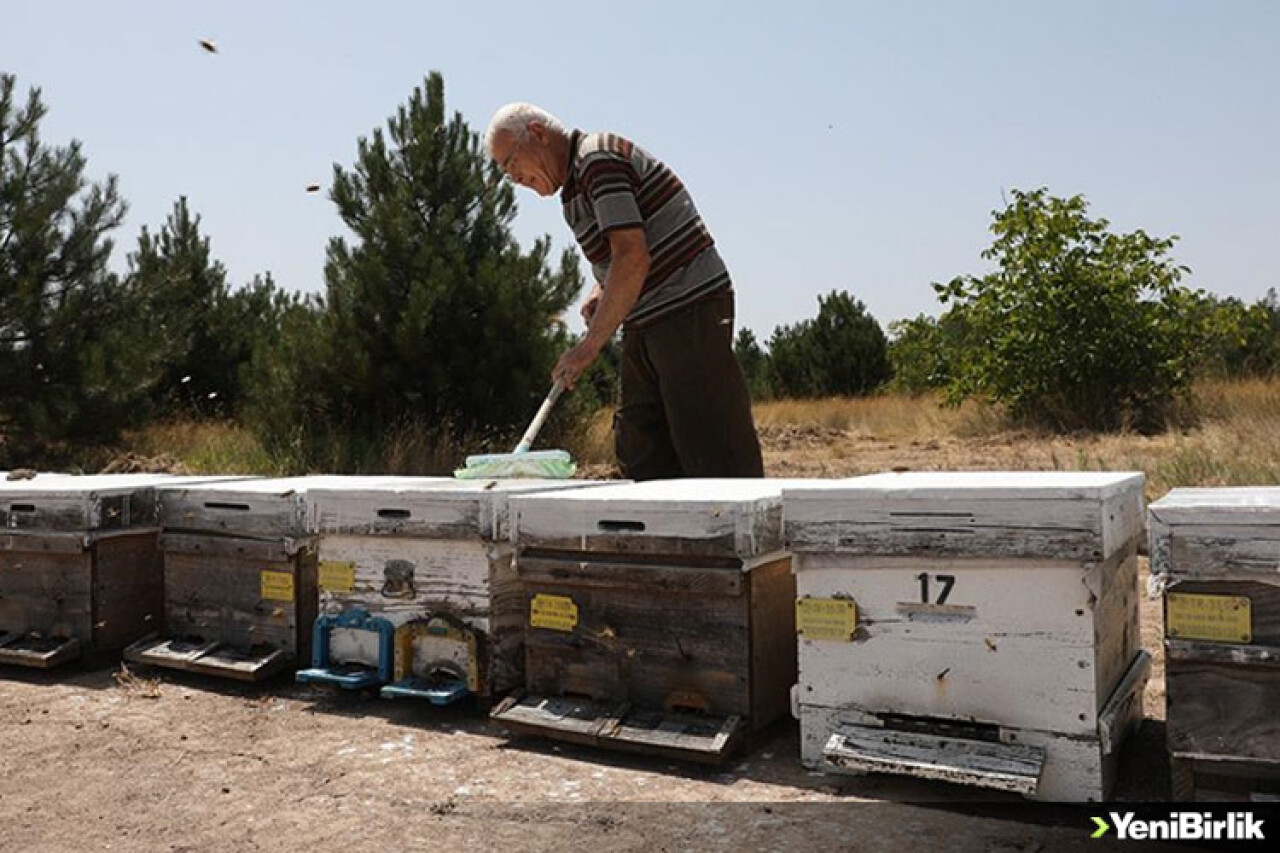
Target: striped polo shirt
[[614, 183]]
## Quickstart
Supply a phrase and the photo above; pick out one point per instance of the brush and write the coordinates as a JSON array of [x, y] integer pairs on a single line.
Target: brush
[[521, 462]]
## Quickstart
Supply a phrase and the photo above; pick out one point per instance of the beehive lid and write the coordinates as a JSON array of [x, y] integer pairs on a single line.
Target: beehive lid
[[255, 508], [1249, 506], [64, 503], [424, 507], [1055, 514], [699, 517]]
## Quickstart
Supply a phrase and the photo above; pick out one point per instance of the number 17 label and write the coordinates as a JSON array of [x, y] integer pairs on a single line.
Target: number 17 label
[[940, 585]]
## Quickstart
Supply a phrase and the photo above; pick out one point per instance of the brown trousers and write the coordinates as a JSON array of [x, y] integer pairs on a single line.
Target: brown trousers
[[685, 408]]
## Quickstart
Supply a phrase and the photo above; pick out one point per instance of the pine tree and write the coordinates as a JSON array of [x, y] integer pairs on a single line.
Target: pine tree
[[843, 351], [202, 333], [72, 367], [755, 364], [433, 313]]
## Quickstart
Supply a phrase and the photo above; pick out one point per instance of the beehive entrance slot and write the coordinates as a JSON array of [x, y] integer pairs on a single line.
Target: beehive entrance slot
[[394, 513], [233, 507], [941, 726], [22, 508], [609, 526]]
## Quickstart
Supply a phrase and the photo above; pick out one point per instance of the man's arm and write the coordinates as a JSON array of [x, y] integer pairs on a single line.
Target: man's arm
[[628, 267]]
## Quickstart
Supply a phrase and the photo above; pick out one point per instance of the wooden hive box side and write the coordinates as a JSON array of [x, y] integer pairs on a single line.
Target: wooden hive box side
[[46, 585], [128, 588], [772, 635]]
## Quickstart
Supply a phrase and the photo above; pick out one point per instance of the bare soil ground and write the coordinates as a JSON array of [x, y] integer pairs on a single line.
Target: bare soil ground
[[157, 760]]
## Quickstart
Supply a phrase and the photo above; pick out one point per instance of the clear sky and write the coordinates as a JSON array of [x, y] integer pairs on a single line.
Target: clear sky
[[840, 145]]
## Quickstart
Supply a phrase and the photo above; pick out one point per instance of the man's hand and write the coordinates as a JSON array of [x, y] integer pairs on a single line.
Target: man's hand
[[593, 302], [574, 363]]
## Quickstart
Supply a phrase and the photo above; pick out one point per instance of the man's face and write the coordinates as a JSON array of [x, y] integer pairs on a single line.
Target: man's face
[[525, 160]]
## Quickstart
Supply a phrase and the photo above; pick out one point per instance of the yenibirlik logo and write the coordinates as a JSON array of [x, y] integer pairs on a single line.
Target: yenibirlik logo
[[1182, 826]]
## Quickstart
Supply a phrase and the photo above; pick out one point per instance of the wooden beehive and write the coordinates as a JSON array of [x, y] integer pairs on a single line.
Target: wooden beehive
[[239, 579], [659, 616], [979, 628], [429, 562], [1215, 553], [80, 569]]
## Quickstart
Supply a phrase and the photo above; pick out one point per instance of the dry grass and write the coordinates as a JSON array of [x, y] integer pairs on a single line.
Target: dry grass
[[1237, 442], [205, 447], [134, 685]]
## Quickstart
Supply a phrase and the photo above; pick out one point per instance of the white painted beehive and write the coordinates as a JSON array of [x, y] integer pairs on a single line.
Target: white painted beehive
[[974, 627], [659, 616], [428, 553]]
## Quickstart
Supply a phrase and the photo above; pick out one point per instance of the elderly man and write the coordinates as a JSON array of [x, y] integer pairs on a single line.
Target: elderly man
[[685, 408]]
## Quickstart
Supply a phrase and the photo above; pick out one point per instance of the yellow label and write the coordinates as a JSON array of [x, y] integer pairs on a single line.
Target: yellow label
[[1220, 618], [277, 586], [556, 612], [833, 619], [336, 576]]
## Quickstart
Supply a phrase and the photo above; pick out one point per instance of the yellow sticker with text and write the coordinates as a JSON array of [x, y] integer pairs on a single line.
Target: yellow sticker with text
[[1218, 618], [830, 619], [337, 576], [277, 586], [556, 612]]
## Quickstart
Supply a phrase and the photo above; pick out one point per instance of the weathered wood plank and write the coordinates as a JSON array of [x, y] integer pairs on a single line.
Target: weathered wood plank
[[249, 508], [505, 636], [49, 594], [1222, 653], [1015, 514], [1116, 625], [571, 720], [1223, 710], [700, 658], [37, 652], [1124, 702], [64, 503], [210, 658], [167, 652], [1248, 505], [1224, 552], [773, 641], [254, 665], [617, 573], [1003, 767], [128, 591], [40, 542], [619, 726], [223, 598], [427, 507], [737, 518], [216, 546], [1076, 768]]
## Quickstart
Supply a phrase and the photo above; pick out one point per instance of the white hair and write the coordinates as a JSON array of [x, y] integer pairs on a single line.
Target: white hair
[[514, 119]]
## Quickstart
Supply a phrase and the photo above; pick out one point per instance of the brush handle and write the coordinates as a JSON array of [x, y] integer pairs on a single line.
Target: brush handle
[[540, 418]]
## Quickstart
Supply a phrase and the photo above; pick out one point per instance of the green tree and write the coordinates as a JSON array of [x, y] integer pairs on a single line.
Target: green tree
[[1078, 327], [755, 364], [432, 313], [73, 371], [843, 351], [1244, 339], [923, 350], [185, 313]]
